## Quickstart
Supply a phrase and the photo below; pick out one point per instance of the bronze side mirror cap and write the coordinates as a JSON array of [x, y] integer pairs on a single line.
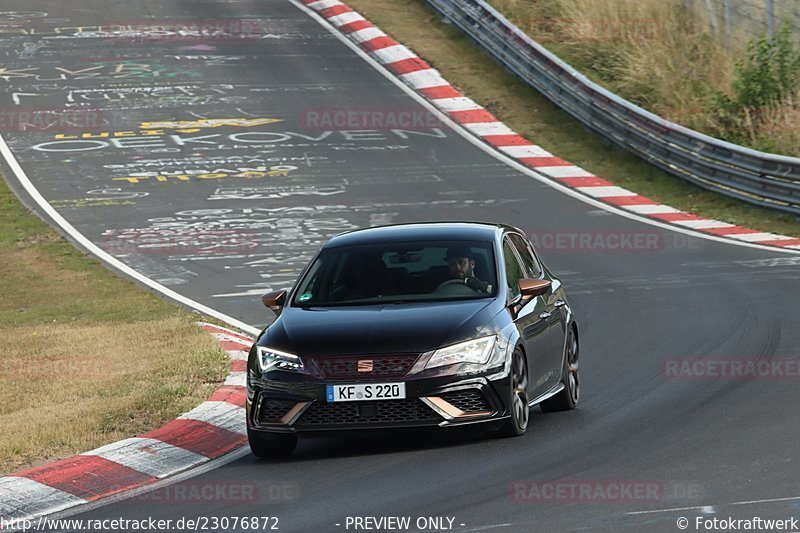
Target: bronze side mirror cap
[[530, 288], [274, 300]]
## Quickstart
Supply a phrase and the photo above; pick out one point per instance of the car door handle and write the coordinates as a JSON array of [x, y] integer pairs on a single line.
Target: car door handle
[[545, 315], [560, 303]]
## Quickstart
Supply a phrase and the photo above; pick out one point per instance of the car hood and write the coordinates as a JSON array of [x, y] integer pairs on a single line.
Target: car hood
[[376, 329]]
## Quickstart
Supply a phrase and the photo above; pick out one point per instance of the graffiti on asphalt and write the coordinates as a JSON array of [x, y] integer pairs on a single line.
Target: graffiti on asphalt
[[246, 159], [89, 202], [139, 97], [105, 71], [159, 140], [190, 126], [274, 192], [208, 174]]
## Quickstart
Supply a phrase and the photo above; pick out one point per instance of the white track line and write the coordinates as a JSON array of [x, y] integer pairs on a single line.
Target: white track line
[[771, 500], [673, 510], [747, 502], [431, 78], [56, 217], [104, 256]]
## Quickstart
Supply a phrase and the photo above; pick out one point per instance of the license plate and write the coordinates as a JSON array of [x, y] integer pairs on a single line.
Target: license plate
[[365, 392]]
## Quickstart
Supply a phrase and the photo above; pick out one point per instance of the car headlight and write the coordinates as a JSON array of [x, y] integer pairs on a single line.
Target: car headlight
[[476, 351], [271, 359]]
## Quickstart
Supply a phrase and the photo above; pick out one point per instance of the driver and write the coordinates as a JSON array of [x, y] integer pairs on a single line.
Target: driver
[[462, 266]]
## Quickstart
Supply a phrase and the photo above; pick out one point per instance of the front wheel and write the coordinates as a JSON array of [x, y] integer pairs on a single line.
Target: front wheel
[[567, 399], [517, 423], [271, 445]]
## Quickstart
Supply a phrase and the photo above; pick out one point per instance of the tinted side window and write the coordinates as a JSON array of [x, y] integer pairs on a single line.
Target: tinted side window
[[530, 263], [514, 271]]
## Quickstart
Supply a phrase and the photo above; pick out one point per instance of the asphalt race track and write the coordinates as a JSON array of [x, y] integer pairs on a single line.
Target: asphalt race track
[[225, 210]]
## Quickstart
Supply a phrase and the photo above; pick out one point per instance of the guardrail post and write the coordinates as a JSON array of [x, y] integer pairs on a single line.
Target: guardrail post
[[728, 23], [771, 17], [768, 180], [712, 15]]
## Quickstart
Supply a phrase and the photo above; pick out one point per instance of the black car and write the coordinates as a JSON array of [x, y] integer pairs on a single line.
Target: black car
[[413, 325]]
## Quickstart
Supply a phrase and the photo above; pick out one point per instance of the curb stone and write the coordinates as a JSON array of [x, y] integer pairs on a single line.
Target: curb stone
[[428, 82], [210, 430]]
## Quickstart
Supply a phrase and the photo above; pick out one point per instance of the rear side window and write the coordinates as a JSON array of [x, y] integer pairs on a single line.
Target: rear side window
[[526, 254]]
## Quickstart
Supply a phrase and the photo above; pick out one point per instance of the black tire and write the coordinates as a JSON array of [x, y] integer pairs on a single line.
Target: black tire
[[271, 445], [567, 399], [517, 423]]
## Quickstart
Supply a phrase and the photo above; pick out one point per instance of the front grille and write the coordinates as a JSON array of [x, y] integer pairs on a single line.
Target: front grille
[[271, 411], [407, 411], [382, 366], [469, 401]]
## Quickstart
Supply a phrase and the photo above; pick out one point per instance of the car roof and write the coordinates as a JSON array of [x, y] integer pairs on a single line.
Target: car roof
[[428, 231]]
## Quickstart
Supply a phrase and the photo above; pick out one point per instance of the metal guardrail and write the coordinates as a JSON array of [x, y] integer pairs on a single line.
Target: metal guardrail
[[767, 180]]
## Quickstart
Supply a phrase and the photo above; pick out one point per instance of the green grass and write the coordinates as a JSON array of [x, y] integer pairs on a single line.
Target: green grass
[[476, 74], [87, 358], [59, 307], [659, 56]]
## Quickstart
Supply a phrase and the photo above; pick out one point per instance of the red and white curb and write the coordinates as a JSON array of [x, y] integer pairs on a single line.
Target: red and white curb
[[210, 430], [428, 82]]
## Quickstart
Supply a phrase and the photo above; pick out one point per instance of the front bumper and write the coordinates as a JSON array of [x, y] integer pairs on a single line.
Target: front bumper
[[300, 406]]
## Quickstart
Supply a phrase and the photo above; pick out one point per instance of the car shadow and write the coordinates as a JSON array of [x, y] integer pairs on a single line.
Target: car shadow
[[372, 443]]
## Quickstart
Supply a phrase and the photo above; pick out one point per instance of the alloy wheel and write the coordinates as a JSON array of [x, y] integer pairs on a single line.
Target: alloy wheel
[[519, 383]]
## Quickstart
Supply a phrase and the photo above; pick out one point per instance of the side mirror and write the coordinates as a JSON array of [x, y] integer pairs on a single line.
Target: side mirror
[[528, 290], [531, 288], [274, 300]]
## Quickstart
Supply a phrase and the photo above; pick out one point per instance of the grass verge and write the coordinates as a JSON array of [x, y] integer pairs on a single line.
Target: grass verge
[[446, 48], [87, 358], [669, 59]]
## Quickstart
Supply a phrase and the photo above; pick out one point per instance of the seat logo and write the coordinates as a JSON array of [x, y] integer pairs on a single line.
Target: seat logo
[[365, 365]]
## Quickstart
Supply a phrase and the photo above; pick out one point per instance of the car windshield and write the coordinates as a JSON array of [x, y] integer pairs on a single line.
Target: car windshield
[[399, 272]]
